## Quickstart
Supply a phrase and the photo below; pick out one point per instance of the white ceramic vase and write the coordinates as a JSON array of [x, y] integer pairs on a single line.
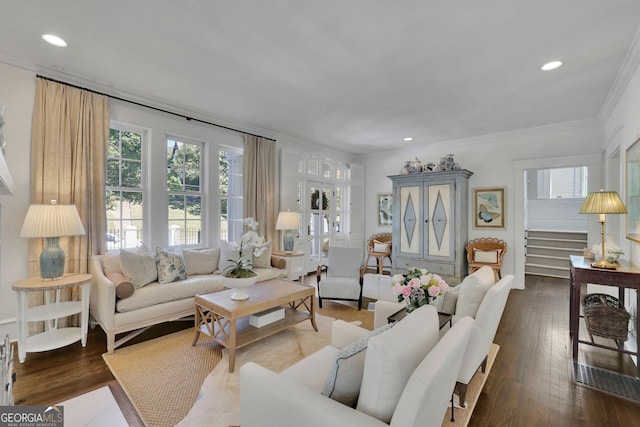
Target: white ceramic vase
[[238, 285]]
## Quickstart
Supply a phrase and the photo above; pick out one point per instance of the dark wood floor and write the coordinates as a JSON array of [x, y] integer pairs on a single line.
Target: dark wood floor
[[530, 384]]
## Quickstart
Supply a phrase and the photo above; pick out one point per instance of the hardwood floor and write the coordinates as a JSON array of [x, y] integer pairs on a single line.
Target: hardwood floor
[[531, 382]]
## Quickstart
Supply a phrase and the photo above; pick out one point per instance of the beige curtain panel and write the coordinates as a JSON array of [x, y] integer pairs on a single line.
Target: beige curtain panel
[[259, 183], [69, 137]]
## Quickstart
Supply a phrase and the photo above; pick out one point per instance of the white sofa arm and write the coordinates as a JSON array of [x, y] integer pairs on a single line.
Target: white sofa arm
[[384, 309], [268, 399], [344, 333], [102, 301]]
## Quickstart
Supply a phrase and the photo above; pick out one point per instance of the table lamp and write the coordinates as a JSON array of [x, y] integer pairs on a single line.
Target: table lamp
[[602, 203], [288, 221], [52, 222]]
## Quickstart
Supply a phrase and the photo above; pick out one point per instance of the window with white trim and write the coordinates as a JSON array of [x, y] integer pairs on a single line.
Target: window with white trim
[[125, 192], [185, 195], [231, 194]]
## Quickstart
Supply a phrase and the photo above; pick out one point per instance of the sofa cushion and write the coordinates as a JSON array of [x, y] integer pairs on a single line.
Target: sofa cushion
[[138, 266], [450, 300], [345, 376], [170, 265], [269, 273], [157, 293], [472, 291], [264, 260], [201, 261], [392, 357]]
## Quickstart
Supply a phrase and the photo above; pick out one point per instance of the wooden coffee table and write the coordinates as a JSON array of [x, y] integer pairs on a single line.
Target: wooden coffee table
[[227, 320]]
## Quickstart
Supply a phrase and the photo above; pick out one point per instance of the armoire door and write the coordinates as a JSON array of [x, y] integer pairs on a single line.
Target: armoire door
[[411, 242], [439, 219]]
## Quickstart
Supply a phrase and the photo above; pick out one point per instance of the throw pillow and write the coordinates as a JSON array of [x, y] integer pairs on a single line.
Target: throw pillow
[[345, 376], [471, 294], [229, 254], [202, 261], [380, 246], [171, 266], [392, 357], [111, 264], [264, 260], [450, 300], [124, 288], [138, 266], [490, 257]]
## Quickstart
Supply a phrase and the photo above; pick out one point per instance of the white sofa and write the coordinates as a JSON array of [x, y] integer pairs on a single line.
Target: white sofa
[[154, 303], [407, 379], [486, 306]]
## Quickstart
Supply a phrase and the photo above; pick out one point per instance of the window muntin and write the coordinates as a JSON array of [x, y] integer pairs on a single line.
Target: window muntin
[[231, 194], [124, 192], [184, 191]]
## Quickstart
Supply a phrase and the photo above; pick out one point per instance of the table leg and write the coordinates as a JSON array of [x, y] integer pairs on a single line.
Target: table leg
[[84, 315], [22, 325], [575, 319], [232, 345], [637, 334], [197, 321]]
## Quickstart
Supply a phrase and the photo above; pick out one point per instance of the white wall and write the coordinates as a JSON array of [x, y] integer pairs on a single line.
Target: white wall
[[17, 92], [493, 160]]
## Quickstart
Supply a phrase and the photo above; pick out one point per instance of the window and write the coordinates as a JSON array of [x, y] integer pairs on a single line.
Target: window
[[124, 188], [562, 183], [231, 201], [184, 191]]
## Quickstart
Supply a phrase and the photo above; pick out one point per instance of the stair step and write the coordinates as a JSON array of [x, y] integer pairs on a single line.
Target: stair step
[[547, 261], [571, 235]]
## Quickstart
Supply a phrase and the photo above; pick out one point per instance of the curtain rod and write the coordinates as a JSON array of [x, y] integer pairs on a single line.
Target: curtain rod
[[151, 107]]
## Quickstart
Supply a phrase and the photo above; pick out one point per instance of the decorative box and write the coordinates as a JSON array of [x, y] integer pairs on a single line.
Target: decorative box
[[266, 317]]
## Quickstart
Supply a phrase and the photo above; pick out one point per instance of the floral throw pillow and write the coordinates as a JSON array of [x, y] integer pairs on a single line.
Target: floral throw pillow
[[170, 265]]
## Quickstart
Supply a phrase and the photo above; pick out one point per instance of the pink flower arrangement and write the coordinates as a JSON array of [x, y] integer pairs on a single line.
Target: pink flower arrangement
[[418, 286]]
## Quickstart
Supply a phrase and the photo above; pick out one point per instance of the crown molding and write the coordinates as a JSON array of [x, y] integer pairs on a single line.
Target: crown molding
[[625, 74]]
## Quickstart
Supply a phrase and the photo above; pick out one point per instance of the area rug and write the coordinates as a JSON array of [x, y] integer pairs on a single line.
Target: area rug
[[463, 415], [162, 377]]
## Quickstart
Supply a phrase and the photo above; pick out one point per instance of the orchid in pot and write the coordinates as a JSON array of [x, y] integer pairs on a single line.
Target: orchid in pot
[[417, 287], [239, 273]]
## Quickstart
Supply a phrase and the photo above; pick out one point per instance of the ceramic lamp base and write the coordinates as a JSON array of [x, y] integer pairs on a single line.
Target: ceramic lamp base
[[287, 243], [52, 260]]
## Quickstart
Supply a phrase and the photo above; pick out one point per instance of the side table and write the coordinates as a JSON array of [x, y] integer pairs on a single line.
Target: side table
[[294, 262], [50, 312]]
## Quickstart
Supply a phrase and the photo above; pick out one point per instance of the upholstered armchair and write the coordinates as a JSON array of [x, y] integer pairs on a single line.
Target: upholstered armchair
[[343, 275]]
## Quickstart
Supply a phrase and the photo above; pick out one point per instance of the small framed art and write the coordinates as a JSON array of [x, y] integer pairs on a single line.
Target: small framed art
[[489, 208], [385, 209]]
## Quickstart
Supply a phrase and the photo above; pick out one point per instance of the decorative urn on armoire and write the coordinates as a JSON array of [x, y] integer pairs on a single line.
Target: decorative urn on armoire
[[430, 222]]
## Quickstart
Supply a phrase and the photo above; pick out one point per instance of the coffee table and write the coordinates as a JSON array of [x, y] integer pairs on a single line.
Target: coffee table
[[227, 320], [443, 318]]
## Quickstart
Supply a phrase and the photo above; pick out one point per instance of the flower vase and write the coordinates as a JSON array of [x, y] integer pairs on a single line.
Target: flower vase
[[238, 285], [411, 304]]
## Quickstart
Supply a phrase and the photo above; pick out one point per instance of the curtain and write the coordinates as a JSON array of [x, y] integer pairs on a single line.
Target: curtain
[[69, 137], [259, 183]]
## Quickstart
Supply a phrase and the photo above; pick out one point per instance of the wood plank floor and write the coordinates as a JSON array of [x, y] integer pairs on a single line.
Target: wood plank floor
[[531, 382]]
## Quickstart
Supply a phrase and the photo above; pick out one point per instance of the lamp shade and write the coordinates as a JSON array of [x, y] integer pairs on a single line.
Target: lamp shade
[[288, 221], [603, 202], [52, 221]]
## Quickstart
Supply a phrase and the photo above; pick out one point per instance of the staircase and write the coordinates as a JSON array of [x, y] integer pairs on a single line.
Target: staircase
[[547, 252]]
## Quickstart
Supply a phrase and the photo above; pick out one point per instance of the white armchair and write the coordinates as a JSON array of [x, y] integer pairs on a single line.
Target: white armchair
[[344, 276], [419, 397]]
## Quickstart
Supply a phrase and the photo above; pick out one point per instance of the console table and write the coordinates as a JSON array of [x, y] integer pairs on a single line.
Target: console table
[[625, 276]]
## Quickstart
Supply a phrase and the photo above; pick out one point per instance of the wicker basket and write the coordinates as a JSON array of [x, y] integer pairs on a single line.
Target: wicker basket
[[604, 317]]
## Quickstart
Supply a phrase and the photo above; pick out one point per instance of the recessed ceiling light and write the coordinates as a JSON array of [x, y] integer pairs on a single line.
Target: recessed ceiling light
[[551, 65], [54, 40], [408, 139]]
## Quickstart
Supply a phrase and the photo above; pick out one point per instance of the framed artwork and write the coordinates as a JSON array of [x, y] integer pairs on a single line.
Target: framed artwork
[[489, 208], [385, 207], [633, 191]]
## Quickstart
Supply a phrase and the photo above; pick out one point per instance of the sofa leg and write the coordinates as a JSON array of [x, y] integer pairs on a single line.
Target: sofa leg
[[111, 342], [320, 302], [483, 365], [461, 388]]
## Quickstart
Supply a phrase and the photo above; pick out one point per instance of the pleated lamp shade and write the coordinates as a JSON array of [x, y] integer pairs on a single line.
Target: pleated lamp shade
[[51, 222], [603, 202]]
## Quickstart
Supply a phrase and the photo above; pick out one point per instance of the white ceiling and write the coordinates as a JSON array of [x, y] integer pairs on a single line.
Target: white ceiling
[[358, 75]]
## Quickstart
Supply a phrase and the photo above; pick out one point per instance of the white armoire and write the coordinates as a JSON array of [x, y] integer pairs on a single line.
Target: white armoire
[[430, 223]]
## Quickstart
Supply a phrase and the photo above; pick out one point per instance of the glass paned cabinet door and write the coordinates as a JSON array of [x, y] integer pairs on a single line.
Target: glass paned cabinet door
[[319, 219]]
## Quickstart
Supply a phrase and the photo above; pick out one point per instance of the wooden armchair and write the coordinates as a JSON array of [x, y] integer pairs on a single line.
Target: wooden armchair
[[379, 247], [486, 251]]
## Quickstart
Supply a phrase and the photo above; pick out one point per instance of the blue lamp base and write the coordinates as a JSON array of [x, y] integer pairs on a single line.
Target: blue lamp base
[[287, 243], [52, 259]]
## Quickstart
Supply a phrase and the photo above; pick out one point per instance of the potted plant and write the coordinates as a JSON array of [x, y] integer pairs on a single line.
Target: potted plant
[[240, 273]]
